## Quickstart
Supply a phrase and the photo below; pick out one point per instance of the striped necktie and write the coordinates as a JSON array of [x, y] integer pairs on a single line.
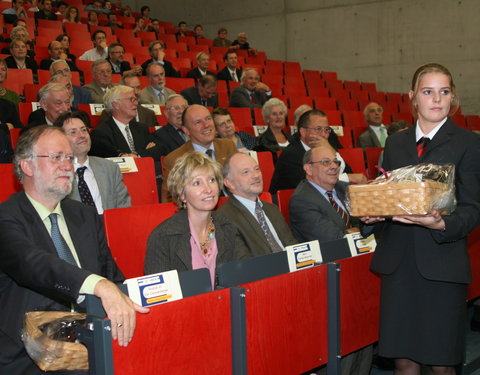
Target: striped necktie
[[61, 246], [274, 246], [345, 216]]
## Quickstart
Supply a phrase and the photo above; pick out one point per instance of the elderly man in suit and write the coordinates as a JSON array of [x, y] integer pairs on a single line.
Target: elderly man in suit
[[55, 99], [102, 80], [157, 92], [376, 134], [251, 93], [204, 93], [98, 182], [119, 134], [260, 223], [230, 72], [198, 125], [80, 95], [53, 249], [203, 61], [144, 115], [116, 58], [171, 136]]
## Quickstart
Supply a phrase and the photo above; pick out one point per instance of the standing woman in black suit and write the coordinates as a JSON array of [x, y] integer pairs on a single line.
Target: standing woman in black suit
[[423, 260]]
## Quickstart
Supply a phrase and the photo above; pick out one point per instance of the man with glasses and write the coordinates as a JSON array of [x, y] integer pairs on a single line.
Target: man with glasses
[[102, 80], [313, 128], [157, 92], [53, 250], [119, 134], [56, 52], [116, 58], [156, 49], [98, 182], [80, 95], [171, 136]]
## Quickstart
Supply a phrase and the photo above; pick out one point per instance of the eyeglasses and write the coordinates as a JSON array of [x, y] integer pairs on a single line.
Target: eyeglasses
[[321, 129], [104, 71], [133, 99], [74, 132], [327, 162], [177, 108], [57, 157]]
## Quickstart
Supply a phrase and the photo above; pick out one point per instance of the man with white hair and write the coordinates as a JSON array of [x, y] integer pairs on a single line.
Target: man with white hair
[[203, 61], [55, 99], [80, 95], [102, 80], [119, 134], [251, 93]]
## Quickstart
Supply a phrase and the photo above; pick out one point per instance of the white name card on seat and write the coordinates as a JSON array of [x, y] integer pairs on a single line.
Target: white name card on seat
[[155, 289], [96, 109], [338, 129], [259, 129], [360, 245], [125, 163], [303, 255], [35, 106]]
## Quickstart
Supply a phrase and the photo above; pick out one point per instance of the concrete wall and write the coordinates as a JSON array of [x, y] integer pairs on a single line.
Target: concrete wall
[[376, 41]]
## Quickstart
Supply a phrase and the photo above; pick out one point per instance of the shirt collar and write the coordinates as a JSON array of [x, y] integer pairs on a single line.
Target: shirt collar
[[43, 211], [419, 134]]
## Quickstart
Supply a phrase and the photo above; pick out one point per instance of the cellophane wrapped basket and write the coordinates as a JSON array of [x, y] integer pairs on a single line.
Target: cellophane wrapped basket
[[411, 190], [49, 338]]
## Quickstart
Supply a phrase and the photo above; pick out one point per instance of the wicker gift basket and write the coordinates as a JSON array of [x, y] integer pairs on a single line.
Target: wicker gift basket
[[412, 190], [44, 337]]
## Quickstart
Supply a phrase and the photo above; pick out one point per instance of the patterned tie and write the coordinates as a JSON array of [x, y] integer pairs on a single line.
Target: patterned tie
[[422, 146], [130, 139], [161, 97], [340, 211], [85, 194], [209, 152], [234, 77], [61, 246], [274, 246]]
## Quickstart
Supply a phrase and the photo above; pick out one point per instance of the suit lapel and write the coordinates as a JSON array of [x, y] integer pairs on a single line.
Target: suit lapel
[[442, 136], [100, 178]]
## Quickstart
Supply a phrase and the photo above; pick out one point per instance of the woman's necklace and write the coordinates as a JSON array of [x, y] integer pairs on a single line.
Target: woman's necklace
[[211, 234]]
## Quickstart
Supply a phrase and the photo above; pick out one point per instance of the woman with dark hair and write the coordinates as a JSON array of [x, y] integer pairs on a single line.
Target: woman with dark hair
[[65, 40], [72, 15], [423, 259]]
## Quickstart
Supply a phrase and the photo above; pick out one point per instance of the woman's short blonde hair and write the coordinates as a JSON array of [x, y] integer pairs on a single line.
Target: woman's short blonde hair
[[182, 171], [267, 108]]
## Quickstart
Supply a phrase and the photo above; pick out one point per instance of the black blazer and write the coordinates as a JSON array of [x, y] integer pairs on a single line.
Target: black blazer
[[225, 74], [241, 98], [33, 277], [268, 142], [167, 65], [439, 255], [192, 96], [29, 63], [168, 137], [195, 73], [124, 66], [108, 141]]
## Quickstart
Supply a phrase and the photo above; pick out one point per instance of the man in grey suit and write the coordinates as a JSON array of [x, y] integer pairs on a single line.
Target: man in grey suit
[[260, 223], [102, 80], [204, 93], [251, 93], [157, 92], [376, 134], [318, 212], [102, 177]]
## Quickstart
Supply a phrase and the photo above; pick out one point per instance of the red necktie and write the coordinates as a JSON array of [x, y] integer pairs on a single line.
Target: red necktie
[[252, 98], [422, 146]]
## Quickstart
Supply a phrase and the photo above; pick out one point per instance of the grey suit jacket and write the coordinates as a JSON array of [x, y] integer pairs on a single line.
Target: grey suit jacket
[[241, 98], [368, 139], [96, 91], [148, 96], [250, 229], [168, 246], [312, 217], [113, 191]]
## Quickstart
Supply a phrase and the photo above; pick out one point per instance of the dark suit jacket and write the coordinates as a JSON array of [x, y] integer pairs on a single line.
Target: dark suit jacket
[[168, 136], [312, 217], [195, 73], [33, 277], [168, 246], [80, 96], [9, 113], [124, 66], [440, 255], [223, 148], [30, 63], [167, 65], [192, 96], [241, 98], [108, 141], [251, 231], [146, 116], [112, 190], [267, 141], [225, 74], [45, 64]]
